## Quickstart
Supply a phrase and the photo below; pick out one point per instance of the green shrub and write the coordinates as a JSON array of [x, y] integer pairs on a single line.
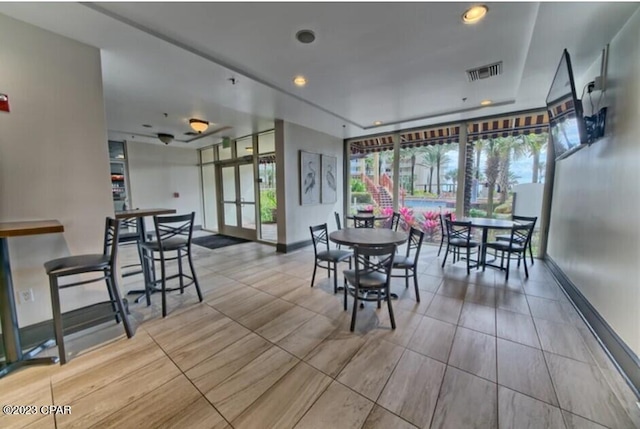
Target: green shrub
[[477, 213], [268, 205], [358, 186], [361, 198]]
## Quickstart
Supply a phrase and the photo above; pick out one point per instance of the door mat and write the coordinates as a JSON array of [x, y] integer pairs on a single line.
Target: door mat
[[217, 241]]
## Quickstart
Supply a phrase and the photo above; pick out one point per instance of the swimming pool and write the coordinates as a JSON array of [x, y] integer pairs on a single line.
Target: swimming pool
[[426, 204]]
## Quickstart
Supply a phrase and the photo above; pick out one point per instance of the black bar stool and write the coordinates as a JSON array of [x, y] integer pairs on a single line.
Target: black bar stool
[[79, 264], [173, 234]]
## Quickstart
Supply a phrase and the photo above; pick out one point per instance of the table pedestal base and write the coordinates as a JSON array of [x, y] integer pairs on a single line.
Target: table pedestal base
[[29, 359]]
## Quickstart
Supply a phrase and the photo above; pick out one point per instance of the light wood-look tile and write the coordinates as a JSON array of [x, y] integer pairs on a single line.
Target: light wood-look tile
[[91, 372], [101, 403], [265, 314], [370, 368], [282, 406], [238, 392], [478, 318], [466, 401], [304, 339], [209, 373], [518, 411], [30, 387], [433, 338], [283, 325], [406, 324], [535, 381], [334, 352], [583, 391], [237, 306], [562, 339], [453, 288], [576, 422], [413, 388], [279, 284], [483, 295], [175, 404], [44, 422], [474, 352], [542, 289], [207, 345], [516, 327], [445, 309], [428, 283], [407, 300], [338, 407], [547, 309], [383, 419], [220, 287], [512, 301]]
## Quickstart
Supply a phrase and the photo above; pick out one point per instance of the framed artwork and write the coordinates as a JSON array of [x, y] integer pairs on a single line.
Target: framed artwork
[[329, 189], [309, 178]]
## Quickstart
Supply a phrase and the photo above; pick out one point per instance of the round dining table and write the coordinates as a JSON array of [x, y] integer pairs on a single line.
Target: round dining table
[[486, 224], [368, 237]]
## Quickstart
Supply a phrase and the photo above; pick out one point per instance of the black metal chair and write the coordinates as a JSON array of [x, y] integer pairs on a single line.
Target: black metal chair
[[371, 278], [521, 219], [338, 224], [443, 229], [517, 245], [173, 234], [363, 221], [409, 263], [105, 264], [331, 257], [395, 221], [459, 237]]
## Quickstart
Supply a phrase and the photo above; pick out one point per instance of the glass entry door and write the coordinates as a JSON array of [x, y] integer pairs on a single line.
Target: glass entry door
[[237, 206]]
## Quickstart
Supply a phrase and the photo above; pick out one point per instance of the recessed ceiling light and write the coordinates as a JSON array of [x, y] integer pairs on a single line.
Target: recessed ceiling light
[[377, 122], [474, 14], [300, 80], [485, 102], [305, 36]]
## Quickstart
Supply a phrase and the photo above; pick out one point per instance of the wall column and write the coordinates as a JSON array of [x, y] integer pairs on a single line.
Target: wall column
[[396, 171], [462, 159]]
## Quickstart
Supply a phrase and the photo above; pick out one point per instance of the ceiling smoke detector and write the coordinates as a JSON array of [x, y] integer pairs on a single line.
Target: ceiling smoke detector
[[165, 138], [485, 72]]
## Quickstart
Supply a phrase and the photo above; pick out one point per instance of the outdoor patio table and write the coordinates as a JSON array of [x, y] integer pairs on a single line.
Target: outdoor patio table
[[14, 357]]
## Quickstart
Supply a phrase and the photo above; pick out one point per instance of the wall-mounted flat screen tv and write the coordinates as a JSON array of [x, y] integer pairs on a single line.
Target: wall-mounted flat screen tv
[[566, 122]]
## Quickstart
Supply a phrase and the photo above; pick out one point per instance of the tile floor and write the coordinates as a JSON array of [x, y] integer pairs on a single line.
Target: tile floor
[[264, 350]]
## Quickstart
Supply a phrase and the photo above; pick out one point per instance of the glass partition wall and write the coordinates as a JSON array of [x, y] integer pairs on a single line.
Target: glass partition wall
[[236, 181], [500, 173]]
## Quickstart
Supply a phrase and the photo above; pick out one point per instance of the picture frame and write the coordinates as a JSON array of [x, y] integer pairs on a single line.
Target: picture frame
[[309, 178], [329, 179]]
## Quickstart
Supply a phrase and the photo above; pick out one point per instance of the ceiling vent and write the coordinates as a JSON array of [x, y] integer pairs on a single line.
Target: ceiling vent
[[485, 72]]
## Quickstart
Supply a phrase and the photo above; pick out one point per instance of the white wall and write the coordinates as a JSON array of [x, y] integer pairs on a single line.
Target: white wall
[[290, 139], [596, 199], [54, 162], [156, 172]]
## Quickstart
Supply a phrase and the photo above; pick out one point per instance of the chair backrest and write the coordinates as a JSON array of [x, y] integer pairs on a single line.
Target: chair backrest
[[363, 221], [319, 237], [415, 243], [338, 223], [525, 219], [174, 226], [370, 260], [458, 230], [111, 237], [521, 234], [443, 227], [395, 221]]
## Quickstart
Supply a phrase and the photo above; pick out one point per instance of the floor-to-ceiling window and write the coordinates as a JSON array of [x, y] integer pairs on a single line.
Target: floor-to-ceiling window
[[207, 158]]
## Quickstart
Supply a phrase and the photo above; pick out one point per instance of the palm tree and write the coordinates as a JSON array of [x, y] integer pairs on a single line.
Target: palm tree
[[492, 148], [511, 148], [534, 143], [430, 158]]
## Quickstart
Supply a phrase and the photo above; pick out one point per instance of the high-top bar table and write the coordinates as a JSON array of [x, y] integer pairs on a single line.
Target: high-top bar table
[[139, 215], [14, 357]]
